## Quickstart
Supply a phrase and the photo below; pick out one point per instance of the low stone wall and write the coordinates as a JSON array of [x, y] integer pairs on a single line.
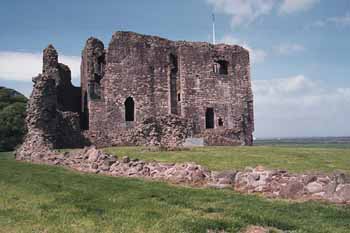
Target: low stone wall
[[222, 137], [270, 183], [281, 184], [169, 131]]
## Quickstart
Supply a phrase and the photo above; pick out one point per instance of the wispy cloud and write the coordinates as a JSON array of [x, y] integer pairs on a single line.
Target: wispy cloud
[[300, 106], [257, 55], [19, 66], [289, 48], [293, 6], [339, 21], [243, 11]]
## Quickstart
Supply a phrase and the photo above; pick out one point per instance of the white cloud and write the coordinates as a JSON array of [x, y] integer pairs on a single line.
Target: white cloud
[[243, 11], [289, 48], [299, 106], [21, 66], [292, 6], [257, 55]]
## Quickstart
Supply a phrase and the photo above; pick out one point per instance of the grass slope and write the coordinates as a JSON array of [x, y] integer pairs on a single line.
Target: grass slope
[[294, 159], [38, 198]]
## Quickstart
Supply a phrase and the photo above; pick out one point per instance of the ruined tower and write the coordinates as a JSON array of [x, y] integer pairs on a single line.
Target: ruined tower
[[53, 111]]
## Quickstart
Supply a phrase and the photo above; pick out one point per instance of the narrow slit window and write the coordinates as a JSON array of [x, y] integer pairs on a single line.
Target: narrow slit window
[[209, 118], [129, 109], [220, 122]]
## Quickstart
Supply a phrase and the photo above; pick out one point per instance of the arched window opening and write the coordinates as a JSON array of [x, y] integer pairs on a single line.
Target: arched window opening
[[129, 109], [178, 97], [209, 118], [220, 122]]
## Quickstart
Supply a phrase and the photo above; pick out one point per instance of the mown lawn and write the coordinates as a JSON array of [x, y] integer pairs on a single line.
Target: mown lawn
[[294, 159], [38, 198]]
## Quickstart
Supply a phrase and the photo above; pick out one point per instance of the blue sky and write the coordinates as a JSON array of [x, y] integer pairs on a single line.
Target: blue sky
[[299, 48]]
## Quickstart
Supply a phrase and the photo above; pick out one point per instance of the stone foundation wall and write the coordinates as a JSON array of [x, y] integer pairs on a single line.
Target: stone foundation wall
[[167, 131], [222, 137], [270, 183]]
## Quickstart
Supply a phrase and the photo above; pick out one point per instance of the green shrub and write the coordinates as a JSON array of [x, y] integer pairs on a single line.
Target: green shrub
[[12, 115]]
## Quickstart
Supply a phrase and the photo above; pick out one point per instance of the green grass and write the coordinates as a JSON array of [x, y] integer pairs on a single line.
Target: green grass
[[294, 159], [39, 198]]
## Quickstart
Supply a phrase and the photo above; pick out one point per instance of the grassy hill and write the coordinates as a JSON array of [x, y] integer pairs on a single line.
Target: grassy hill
[[39, 198], [12, 114]]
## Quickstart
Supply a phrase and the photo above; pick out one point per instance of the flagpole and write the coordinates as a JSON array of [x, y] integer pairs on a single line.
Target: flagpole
[[214, 29]]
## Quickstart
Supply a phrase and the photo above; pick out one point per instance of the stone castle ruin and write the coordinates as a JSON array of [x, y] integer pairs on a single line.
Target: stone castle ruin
[[143, 90]]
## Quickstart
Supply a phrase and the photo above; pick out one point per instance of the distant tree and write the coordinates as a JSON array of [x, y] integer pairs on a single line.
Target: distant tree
[[12, 115]]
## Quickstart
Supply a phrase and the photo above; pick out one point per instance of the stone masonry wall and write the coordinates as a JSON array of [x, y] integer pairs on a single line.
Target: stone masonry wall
[[52, 111], [146, 90], [68, 96], [41, 119], [228, 94], [164, 77], [92, 71]]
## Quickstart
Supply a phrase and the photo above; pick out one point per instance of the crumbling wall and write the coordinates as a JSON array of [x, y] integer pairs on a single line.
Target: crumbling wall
[[334, 188], [164, 77], [68, 99], [68, 132], [222, 137], [133, 92], [92, 72], [68, 96], [50, 125], [169, 131], [41, 119]]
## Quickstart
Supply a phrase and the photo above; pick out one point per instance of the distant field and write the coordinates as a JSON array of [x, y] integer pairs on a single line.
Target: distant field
[[323, 142], [292, 158], [38, 198]]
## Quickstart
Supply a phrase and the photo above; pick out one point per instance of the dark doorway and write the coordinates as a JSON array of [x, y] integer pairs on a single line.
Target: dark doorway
[[220, 122], [129, 109], [209, 118]]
